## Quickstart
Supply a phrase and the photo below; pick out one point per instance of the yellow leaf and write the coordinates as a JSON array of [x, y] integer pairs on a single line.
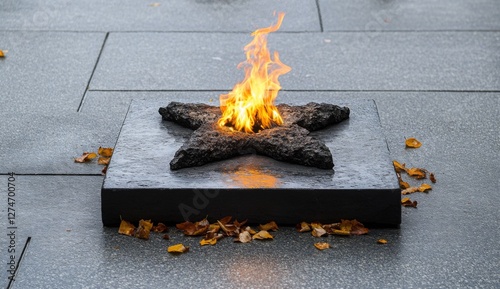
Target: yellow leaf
[[321, 246], [1, 53], [212, 242], [126, 228], [105, 152], [382, 241], [271, 226], [416, 172], [424, 187], [406, 202], [341, 233], [250, 230], [398, 167], [178, 248], [318, 232], [412, 143], [303, 227], [86, 157], [262, 235], [144, 229], [103, 161]]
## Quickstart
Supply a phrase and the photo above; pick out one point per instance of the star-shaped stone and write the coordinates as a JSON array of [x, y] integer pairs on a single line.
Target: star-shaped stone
[[290, 142]]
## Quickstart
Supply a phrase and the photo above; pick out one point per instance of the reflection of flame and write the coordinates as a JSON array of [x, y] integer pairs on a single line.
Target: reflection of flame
[[249, 106], [253, 177]]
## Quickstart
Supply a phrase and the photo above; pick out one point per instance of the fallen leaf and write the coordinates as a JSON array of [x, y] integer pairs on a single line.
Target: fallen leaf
[[271, 226], [424, 188], [262, 235], [321, 246], [213, 228], [160, 228], [244, 237], [1, 53], [178, 248], [212, 242], [357, 228], [416, 172], [105, 152], [398, 167], [382, 241], [250, 230], [225, 220], [156, 4], [103, 161], [406, 202], [229, 229], [86, 157], [432, 178], [318, 232], [341, 232], [402, 184], [126, 228], [165, 237], [143, 230], [303, 227], [412, 143], [104, 170], [194, 229], [409, 190]]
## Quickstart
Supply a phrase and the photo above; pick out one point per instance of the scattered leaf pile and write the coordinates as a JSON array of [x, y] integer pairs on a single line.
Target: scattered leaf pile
[[104, 157], [142, 231], [224, 227], [344, 228]]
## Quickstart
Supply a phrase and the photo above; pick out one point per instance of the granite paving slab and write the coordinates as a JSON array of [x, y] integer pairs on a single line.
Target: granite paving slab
[[46, 71], [47, 143], [320, 61], [158, 15], [413, 15]]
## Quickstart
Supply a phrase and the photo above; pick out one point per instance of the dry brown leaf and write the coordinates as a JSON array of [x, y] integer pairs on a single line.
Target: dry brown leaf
[[103, 161], [225, 220], [409, 190], [399, 167], [105, 152], [104, 170], [143, 230], [250, 230], [424, 188], [357, 228], [432, 178], [416, 172], [244, 237], [318, 232], [382, 241], [406, 202], [321, 246], [262, 235], [178, 248], [412, 143], [166, 237], [194, 229], [126, 228], [86, 157], [229, 229], [212, 242], [213, 228], [303, 227], [271, 226], [160, 228]]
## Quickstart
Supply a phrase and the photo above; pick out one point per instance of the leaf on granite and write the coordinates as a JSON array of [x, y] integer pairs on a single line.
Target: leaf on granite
[[166, 237], [412, 143], [432, 178], [409, 190], [86, 157], [303, 227], [355, 227], [160, 228], [416, 173], [212, 242], [177, 249], [406, 202], [382, 241], [322, 245], [317, 230], [398, 167], [105, 152], [244, 237], [103, 161], [271, 226], [424, 188], [262, 235], [194, 229], [126, 228], [143, 229], [2, 54]]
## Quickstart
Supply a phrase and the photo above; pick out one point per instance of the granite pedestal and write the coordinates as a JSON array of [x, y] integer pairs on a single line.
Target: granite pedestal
[[140, 185]]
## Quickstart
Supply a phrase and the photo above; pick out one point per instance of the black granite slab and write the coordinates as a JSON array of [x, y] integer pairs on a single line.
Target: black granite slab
[[139, 183]]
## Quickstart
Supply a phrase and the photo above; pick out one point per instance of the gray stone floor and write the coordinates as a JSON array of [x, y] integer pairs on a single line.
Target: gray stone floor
[[72, 67]]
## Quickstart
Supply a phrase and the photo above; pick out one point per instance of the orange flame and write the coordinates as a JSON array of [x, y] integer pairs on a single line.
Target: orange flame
[[249, 107]]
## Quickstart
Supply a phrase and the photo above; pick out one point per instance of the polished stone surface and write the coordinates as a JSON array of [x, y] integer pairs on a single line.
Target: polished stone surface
[[320, 61], [140, 184]]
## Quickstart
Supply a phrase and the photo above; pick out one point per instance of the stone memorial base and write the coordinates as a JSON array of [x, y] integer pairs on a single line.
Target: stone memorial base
[[140, 185]]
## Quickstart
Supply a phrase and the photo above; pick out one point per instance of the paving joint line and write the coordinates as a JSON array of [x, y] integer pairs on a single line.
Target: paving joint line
[[92, 74]]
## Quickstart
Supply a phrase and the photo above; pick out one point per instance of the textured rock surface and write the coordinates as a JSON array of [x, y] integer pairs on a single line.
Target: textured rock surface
[[290, 142]]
